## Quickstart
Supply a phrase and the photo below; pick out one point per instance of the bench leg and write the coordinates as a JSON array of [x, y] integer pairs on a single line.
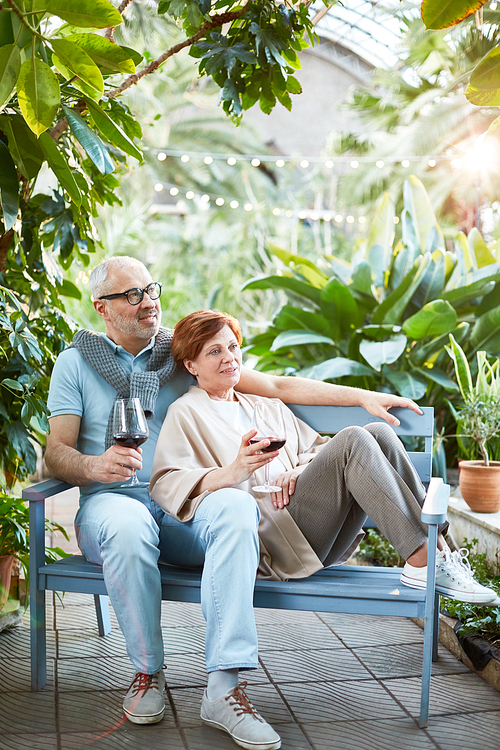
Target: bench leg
[[435, 631], [38, 637], [102, 614], [430, 643]]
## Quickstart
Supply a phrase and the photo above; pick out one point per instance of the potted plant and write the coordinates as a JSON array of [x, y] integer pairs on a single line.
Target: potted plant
[[14, 540], [478, 419]]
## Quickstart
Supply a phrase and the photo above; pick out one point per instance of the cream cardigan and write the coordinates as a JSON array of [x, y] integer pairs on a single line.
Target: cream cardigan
[[196, 439]]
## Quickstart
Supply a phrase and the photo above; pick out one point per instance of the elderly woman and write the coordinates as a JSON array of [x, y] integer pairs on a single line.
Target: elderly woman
[[204, 469]]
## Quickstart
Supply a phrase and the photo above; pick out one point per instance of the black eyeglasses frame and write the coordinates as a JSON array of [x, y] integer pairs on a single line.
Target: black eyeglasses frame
[[135, 289]]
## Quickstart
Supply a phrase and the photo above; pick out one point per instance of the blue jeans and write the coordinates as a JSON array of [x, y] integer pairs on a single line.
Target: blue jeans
[[128, 535]]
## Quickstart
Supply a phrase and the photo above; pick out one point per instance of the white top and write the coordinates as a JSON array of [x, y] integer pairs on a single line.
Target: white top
[[234, 414]]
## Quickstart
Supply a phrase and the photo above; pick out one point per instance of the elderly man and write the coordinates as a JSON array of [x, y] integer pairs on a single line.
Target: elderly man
[[119, 527]]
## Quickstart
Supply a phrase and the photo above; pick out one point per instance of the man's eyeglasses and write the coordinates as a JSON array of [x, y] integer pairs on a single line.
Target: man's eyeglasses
[[135, 296]]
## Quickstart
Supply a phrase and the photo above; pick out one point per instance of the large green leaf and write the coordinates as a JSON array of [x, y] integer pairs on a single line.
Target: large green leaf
[[434, 319], [439, 377], [482, 97], [107, 55], [298, 338], [391, 309], [380, 239], [340, 308], [71, 60], [90, 141], [90, 14], [479, 249], [378, 353], [419, 206], [462, 295], [432, 283], [10, 65], [438, 14], [432, 348], [38, 94], [485, 333], [59, 166], [337, 367], [9, 187], [289, 317], [287, 257], [23, 145], [462, 369], [111, 131], [284, 282], [407, 384]]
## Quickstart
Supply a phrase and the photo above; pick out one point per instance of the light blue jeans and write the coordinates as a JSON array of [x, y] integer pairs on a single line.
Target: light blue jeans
[[128, 535]]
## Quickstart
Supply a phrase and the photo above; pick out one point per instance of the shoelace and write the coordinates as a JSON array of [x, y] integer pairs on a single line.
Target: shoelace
[[460, 563], [241, 699], [143, 682]]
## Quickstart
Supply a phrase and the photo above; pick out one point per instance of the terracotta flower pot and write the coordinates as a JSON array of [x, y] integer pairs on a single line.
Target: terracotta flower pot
[[480, 485], [6, 562]]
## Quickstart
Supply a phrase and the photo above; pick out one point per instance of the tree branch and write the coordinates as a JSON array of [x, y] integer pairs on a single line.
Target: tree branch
[[214, 23], [121, 9]]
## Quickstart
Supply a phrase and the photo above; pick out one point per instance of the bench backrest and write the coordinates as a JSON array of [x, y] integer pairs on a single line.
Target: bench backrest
[[331, 419]]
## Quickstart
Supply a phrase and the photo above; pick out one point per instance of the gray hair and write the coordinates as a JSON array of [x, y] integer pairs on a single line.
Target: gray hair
[[98, 280]]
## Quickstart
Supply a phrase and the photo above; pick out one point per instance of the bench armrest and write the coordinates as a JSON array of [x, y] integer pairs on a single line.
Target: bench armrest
[[436, 500], [39, 492]]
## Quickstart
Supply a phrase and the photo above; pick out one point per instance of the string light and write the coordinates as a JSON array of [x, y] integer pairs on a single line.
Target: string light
[[327, 217], [220, 201], [276, 211], [205, 198], [379, 163], [231, 161], [288, 213], [158, 187], [190, 195], [314, 217], [405, 163], [302, 215], [255, 162], [338, 218], [161, 156], [431, 163], [362, 219], [329, 164], [280, 163], [174, 191], [304, 163], [208, 159], [396, 219], [185, 158], [248, 207], [354, 164], [234, 204]]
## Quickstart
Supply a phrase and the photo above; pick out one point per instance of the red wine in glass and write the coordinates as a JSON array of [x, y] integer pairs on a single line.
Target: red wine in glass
[[269, 422], [130, 427], [274, 445]]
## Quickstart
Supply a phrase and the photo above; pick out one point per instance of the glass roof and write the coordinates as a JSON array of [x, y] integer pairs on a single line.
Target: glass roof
[[365, 27]]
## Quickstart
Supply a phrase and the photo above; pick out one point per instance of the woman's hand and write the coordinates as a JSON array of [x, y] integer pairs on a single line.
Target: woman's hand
[[287, 482], [251, 456]]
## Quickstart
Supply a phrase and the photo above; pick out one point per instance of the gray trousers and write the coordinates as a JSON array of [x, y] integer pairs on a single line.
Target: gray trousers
[[362, 471]]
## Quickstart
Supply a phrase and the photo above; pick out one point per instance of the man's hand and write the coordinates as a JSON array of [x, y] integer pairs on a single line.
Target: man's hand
[[115, 464], [379, 403], [287, 482]]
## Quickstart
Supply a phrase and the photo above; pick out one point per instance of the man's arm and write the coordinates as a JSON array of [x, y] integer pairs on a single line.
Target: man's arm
[[294, 390], [65, 462]]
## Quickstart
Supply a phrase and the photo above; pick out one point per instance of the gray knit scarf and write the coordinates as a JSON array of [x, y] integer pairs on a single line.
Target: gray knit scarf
[[143, 385]]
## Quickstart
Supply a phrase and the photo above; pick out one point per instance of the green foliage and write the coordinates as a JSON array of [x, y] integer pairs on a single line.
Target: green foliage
[[14, 533], [479, 417], [376, 548], [380, 329], [474, 619]]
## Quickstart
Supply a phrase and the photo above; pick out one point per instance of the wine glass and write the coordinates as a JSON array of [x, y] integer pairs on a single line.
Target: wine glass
[[269, 422], [130, 427]]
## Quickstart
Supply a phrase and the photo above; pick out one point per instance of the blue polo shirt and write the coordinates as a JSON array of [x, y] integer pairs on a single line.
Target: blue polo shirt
[[76, 388]]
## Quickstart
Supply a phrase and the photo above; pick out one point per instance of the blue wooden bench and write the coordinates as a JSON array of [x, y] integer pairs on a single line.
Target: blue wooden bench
[[346, 588]]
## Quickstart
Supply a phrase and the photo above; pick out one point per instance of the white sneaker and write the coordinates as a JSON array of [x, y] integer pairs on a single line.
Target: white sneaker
[[453, 578], [234, 714]]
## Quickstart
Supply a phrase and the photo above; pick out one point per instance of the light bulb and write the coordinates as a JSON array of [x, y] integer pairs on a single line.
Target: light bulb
[[161, 156], [234, 204], [280, 163], [158, 187], [208, 160], [190, 195], [174, 191], [231, 161], [220, 201], [185, 158], [255, 162]]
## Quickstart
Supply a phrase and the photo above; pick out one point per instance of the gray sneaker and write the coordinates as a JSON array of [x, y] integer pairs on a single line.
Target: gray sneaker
[[234, 714], [144, 702]]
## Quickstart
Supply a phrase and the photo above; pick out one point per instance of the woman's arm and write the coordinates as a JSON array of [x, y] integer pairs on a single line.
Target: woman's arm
[[294, 390]]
